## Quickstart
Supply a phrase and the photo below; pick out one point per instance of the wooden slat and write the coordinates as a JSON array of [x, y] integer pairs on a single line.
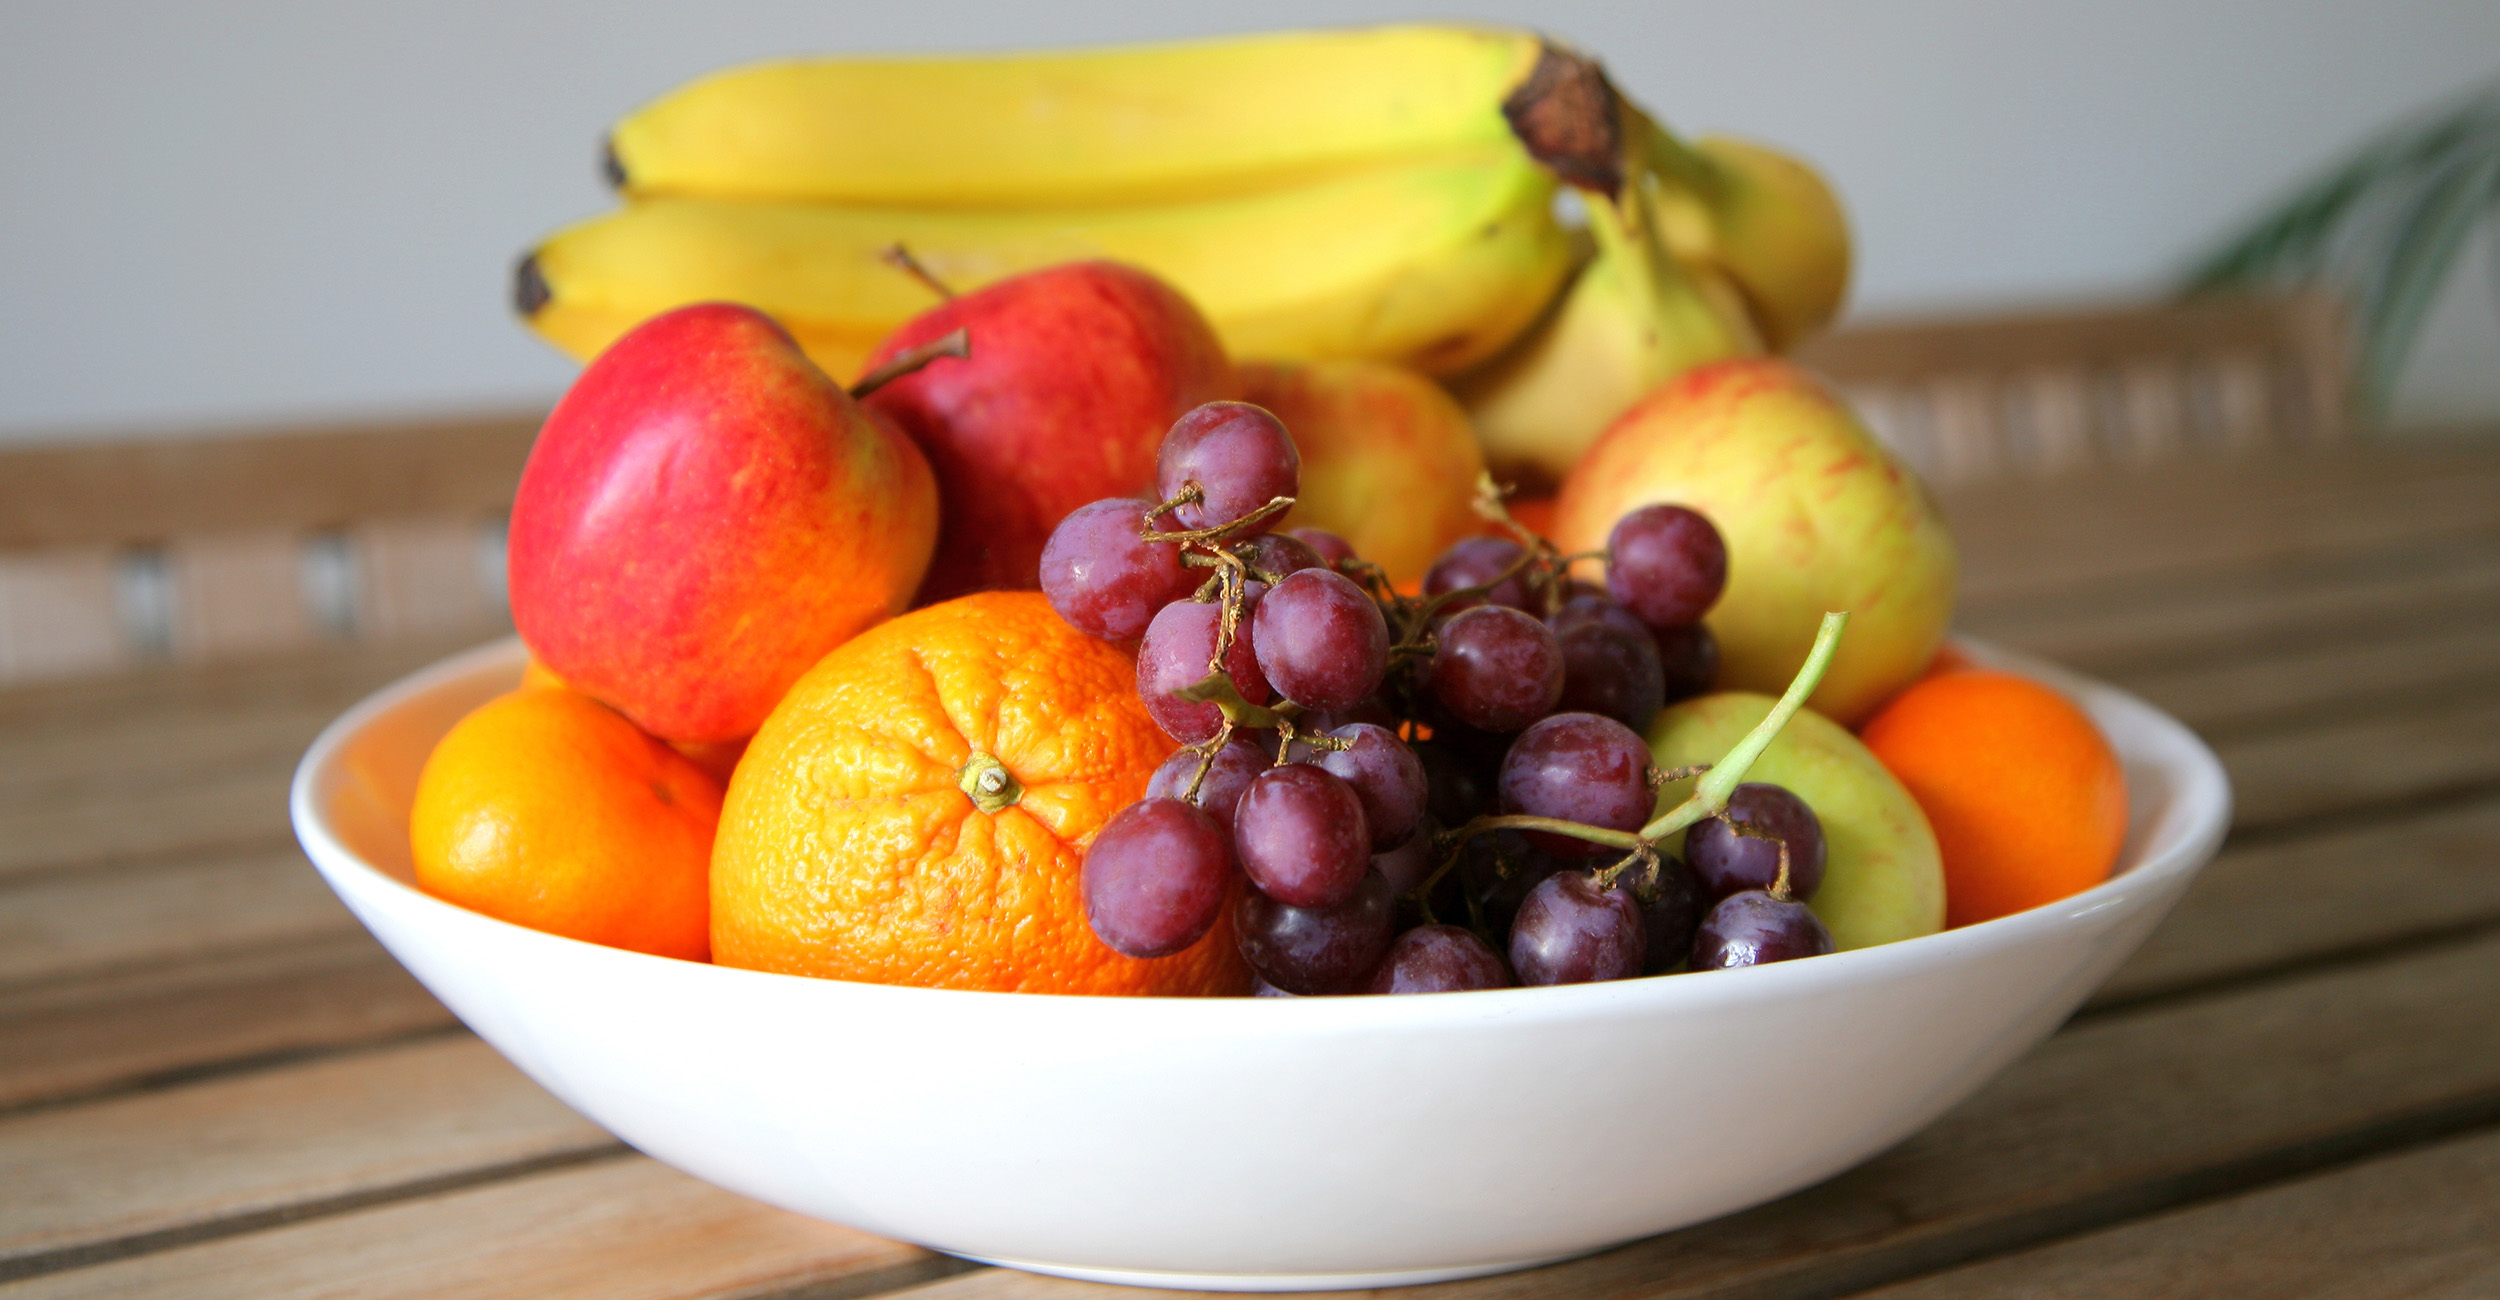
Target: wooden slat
[[2083, 333], [2244, 614], [628, 1229], [2399, 673], [2424, 1225], [118, 492], [157, 1166], [2348, 765], [2339, 890], [2116, 1117], [2034, 539], [59, 612], [70, 1038], [120, 918]]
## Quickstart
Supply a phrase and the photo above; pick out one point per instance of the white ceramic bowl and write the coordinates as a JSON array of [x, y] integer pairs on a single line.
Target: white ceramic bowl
[[1246, 1143]]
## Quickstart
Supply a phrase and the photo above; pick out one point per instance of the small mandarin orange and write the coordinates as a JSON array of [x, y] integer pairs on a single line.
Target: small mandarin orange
[[917, 809], [548, 809], [2028, 802]]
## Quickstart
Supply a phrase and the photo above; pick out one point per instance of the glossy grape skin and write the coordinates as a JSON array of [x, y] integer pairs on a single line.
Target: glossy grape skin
[[1103, 578], [1316, 950], [1438, 959], [1578, 767], [1279, 554], [1407, 863], [1610, 671], [1571, 931], [1670, 909], [1473, 562], [1724, 862], [1260, 988], [1155, 878], [1667, 564], [1239, 760], [1331, 549], [1585, 604], [1239, 456], [1750, 928], [1300, 834], [1497, 669], [1174, 655], [1321, 642], [1385, 774], [1688, 661]]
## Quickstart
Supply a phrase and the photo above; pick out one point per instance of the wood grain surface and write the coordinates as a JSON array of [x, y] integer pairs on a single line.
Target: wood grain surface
[[211, 1083]]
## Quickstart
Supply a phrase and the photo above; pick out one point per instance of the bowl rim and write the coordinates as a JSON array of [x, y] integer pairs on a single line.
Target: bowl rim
[[2200, 817]]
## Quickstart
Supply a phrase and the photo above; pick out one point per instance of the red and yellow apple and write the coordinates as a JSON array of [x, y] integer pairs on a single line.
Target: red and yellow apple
[[1389, 460], [1817, 515], [1075, 373], [703, 517]]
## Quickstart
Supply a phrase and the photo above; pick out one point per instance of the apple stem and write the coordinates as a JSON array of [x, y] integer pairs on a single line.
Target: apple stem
[[900, 258], [957, 345]]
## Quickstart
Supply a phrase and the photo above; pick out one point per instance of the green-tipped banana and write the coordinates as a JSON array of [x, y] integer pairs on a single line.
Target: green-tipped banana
[[1435, 265], [1079, 128], [1634, 318]]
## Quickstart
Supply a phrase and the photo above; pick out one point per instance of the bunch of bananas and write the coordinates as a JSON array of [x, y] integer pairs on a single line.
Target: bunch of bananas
[[1384, 193]]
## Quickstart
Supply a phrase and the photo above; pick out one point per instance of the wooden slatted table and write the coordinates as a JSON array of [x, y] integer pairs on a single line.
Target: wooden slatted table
[[212, 1083]]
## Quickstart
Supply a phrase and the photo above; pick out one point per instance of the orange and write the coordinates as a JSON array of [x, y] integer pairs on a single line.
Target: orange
[[2028, 802], [548, 809], [859, 841], [717, 758]]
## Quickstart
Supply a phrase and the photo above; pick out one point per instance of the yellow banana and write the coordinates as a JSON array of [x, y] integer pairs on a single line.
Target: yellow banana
[[1081, 128], [1631, 320], [1435, 265], [1765, 219]]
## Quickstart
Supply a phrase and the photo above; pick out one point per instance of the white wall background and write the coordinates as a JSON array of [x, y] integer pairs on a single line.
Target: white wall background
[[231, 214]]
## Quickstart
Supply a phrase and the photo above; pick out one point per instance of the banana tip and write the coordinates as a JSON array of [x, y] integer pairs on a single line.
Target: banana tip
[[610, 166]]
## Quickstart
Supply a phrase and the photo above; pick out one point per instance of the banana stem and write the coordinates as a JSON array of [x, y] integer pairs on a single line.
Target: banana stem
[[1710, 794]]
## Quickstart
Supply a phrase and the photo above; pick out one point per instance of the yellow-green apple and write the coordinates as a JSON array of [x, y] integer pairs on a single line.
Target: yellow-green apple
[[1816, 514], [1075, 373], [1389, 461], [703, 517], [1882, 877]]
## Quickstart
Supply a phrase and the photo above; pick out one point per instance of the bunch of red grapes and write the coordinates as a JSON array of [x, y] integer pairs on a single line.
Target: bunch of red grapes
[[1426, 794]]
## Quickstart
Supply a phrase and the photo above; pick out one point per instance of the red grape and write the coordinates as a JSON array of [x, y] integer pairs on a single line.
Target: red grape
[[1239, 456], [1498, 871], [1300, 834], [1321, 641], [1239, 760], [1572, 931], [1724, 862], [1610, 671], [1438, 959], [1385, 774], [1315, 950], [1497, 669], [1179, 644], [1405, 865], [1155, 877], [1329, 547], [1578, 767], [1666, 564], [1456, 789], [1689, 659], [1279, 554], [1103, 578], [1750, 928], [1473, 562], [1590, 605], [1670, 910]]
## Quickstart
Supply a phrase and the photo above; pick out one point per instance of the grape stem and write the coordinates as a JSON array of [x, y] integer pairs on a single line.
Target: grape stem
[[1709, 797]]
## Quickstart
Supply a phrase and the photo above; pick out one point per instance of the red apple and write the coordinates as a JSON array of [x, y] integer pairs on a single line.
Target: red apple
[[1075, 374], [703, 517]]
